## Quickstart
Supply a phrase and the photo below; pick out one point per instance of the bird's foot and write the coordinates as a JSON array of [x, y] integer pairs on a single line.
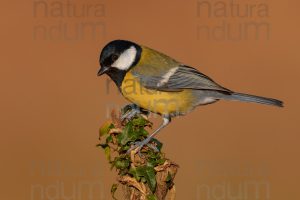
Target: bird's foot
[[130, 111], [137, 147]]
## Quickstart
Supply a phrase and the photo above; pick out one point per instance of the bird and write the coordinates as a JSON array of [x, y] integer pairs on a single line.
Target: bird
[[157, 83]]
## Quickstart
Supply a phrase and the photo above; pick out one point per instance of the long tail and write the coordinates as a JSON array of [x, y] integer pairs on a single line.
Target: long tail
[[252, 98]]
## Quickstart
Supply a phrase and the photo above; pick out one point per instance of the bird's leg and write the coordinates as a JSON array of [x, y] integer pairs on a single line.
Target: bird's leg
[[130, 111], [139, 145]]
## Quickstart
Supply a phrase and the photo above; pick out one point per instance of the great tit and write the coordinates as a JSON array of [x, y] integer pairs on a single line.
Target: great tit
[[157, 83]]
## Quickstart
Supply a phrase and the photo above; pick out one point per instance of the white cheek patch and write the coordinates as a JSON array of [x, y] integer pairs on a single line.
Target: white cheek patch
[[126, 59]]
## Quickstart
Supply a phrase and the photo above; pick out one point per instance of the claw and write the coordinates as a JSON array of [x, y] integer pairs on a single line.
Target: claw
[[139, 145], [130, 114], [134, 110]]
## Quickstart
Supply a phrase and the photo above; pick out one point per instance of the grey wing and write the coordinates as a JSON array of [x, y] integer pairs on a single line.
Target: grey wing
[[179, 78]]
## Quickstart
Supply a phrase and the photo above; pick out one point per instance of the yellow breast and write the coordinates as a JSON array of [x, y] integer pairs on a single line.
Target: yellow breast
[[161, 102]]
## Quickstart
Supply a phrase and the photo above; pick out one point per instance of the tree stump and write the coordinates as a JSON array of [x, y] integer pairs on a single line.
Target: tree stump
[[147, 175]]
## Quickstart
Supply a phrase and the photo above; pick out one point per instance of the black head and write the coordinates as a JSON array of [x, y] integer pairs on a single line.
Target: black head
[[118, 55]]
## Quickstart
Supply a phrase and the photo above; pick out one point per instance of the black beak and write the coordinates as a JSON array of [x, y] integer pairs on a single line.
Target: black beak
[[102, 70]]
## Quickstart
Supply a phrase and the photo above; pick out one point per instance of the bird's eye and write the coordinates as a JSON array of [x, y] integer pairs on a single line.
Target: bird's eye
[[114, 57]]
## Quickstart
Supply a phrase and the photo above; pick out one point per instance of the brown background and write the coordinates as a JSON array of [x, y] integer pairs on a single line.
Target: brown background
[[52, 102]]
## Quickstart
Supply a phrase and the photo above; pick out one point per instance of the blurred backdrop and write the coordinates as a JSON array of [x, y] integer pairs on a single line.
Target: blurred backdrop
[[52, 103]]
